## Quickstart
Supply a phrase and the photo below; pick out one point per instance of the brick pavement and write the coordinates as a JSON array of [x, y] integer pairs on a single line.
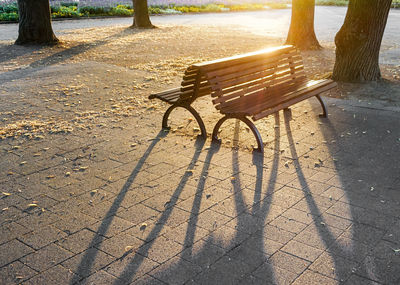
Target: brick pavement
[[135, 205]]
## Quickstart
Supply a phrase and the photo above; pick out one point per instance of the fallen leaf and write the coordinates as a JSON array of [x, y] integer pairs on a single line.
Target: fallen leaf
[[67, 173], [143, 226], [50, 176], [6, 193], [128, 248], [32, 205]]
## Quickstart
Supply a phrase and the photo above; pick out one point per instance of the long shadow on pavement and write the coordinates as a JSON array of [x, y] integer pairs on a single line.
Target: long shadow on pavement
[[89, 258]]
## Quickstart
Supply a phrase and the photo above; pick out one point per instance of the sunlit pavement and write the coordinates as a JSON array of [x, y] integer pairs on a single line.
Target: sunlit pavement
[[135, 204], [127, 203]]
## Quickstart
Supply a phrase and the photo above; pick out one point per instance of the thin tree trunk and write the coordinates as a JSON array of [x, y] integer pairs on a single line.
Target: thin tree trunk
[[141, 15], [35, 23], [301, 32], [359, 40]]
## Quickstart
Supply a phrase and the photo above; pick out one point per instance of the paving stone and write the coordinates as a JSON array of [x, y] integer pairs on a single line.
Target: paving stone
[[118, 245], [137, 214], [15, 273], [175, 271], [211, 220], [42, 237], [87, 262], [186, 234], [147, 279], [80, 241], [289, 262], [46, 257], [111, 226], [11, 230], [318, 236], [350, 249], [225, 271], [299, 216], [334, 266], [227, 237], [37, 220], [160, 250], [309, 277], [131, 267], [99, 278], [13, 250], [55, 275], [246, 222], [274, 275], [288, 224], [302, 250], [203, 253], [73, 223], [358, 280]]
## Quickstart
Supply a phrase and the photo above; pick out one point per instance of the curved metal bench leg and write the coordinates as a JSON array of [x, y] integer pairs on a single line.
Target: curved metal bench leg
[[244, 120], [166, 115], [198, 119], [192, 111], [325, 113]]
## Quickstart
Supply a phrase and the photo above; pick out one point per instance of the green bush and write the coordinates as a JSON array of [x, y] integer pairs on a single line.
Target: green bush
[[65, 12], [9, 9], [9, 16], [155, 10], [332, 2], [121, 10], [93, 11]]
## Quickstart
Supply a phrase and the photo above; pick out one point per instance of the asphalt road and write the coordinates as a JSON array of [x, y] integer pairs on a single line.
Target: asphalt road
[[271, 23]]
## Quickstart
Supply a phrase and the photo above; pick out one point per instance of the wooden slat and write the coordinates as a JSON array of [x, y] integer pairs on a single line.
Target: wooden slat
[[264, 63], [251, 107], [271, 84], [295, 100], [253, 101], [257, 71], [169, 91], [258, 55], [252, 77]]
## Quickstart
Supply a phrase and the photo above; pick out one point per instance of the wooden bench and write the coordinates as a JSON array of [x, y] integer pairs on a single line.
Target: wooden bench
[[259, 84], [252, 85], [193, 86]]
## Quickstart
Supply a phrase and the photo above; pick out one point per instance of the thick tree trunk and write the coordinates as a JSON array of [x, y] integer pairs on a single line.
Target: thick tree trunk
[[301, 32], [141, 15], [35, 23], [359, 40]]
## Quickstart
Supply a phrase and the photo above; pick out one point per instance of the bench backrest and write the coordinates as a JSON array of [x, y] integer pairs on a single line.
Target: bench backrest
[[194, 84], [269, 72]]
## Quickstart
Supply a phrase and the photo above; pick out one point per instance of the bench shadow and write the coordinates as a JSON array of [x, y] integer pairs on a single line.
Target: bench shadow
[[246, 229], [89, 258]]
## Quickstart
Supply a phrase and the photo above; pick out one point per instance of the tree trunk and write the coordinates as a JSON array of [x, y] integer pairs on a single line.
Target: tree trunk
[[301, 32], [35, 23], [359, 40], [141, 15]]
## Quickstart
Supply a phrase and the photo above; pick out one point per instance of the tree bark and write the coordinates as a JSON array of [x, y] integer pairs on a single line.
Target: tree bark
[[301, 32], [359, 40], [35, 23], [141, 15]]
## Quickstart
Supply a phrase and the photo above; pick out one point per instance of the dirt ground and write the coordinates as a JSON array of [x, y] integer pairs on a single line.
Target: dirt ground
[[96, 76]]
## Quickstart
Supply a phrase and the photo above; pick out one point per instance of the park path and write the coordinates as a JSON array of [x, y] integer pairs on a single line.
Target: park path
[[271, 23]]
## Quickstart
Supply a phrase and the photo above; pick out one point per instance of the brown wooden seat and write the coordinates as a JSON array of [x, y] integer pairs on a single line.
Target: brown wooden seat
[[258, 84], [193, 85]]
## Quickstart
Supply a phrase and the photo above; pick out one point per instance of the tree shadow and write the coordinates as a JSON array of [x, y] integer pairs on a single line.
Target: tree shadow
[[60, 56], [355, 209]]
